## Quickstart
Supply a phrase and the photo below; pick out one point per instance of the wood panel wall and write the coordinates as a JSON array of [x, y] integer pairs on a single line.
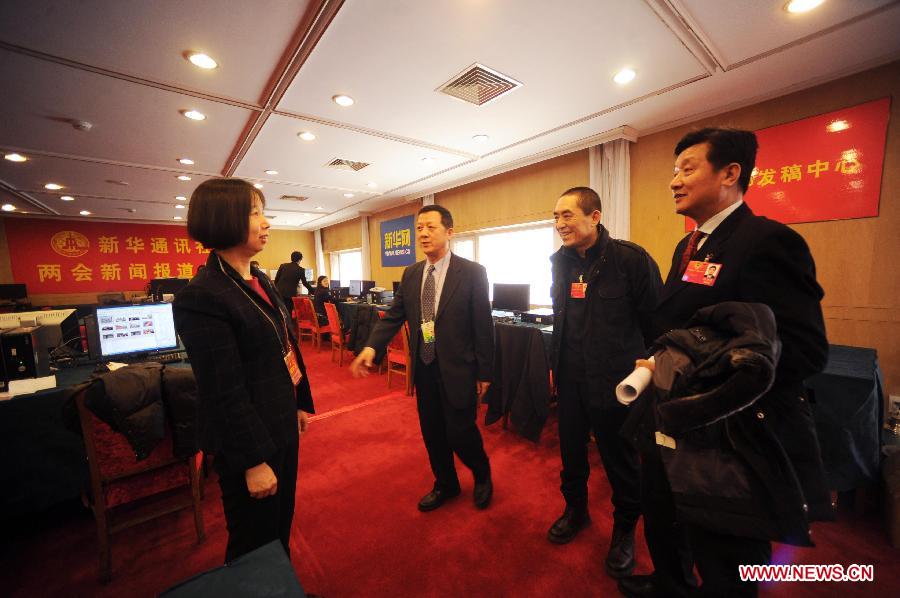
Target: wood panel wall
[[857, 260]]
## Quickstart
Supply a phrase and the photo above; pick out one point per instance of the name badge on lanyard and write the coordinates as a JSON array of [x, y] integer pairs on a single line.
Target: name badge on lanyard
[[290, 361], [578, 290]]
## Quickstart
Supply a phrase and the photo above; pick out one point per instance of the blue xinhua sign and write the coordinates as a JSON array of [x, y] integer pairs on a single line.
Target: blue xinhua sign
[[398, 242]]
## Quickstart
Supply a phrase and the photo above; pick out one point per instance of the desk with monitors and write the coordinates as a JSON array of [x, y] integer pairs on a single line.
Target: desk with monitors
[[511, 297]]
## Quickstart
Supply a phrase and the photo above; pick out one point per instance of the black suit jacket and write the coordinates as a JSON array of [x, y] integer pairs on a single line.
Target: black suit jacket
[[764, 261], [287, 278], [248, 405], [464, 328]]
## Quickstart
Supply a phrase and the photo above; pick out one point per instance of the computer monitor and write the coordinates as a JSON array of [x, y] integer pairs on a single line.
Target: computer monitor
[[166, 286], [62, 323], [366, 285], [131, 330], [512, 297], [11, 292], [396, 285], [334, 284], [355, 288]]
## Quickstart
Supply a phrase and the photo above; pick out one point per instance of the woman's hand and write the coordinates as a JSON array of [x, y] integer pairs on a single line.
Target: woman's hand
[[302, 421], [261, 481]]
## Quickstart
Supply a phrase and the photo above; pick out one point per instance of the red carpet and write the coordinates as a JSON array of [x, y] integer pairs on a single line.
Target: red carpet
[[358, 533]]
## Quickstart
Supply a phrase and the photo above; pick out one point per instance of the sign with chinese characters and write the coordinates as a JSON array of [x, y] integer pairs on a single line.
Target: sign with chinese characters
[[57, 256], [398, 242], [825, 167]]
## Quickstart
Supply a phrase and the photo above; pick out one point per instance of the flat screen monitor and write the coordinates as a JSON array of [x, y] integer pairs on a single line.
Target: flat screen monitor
[[11, 292], [334, 284], [166, 286], [355, 288], [63, 324], [512, 297], [136, 329], [396, 285], [366, 285]]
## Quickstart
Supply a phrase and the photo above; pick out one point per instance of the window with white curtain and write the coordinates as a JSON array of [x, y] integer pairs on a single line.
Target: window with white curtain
[[518, 255], [346, 265]]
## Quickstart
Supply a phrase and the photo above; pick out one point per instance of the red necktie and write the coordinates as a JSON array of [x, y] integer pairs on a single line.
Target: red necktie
[[690, 250]]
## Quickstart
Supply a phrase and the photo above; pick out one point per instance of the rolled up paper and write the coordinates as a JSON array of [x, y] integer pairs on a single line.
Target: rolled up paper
[[634, 384]]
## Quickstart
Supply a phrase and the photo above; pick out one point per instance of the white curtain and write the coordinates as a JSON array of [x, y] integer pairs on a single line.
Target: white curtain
[[366, 256], [320, 254], [428, 200], [610, 176]]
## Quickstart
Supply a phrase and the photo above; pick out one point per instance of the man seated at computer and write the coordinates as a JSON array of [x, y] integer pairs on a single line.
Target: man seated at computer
[[321, 297]]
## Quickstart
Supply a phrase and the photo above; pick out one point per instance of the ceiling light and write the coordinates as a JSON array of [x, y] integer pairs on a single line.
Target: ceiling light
[[53, 186], [183, 177], [258, 185], [186, 161], [319, 208], [179, 206], [178, 218], [798, 6], [194, 114], [427, 160], [14, 157], [202, 60], [624, 76], [306, 135], [8, 207], [342, 100], [837, 125], [67, 198], [480, 138], [181, 198], [371, 184], [348, 195], [272, 172], [84, 213]]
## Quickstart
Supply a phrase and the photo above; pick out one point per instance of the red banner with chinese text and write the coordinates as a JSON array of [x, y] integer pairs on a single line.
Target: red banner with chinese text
[[65, 256], [826, 167]]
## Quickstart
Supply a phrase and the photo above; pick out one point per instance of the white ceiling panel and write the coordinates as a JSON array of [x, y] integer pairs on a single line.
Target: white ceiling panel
[[147, 39], [391, 56]]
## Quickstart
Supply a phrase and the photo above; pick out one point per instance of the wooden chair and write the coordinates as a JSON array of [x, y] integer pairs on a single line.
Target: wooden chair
[[317, 329], [398, 360], [117, 479], [304, 322], [339, 338]]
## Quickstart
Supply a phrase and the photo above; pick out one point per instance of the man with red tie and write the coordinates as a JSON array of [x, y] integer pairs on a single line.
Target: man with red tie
[[733, 255]]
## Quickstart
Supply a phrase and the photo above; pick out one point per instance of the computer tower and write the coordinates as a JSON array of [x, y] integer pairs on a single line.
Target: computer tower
[[93, 336], [26, 352]]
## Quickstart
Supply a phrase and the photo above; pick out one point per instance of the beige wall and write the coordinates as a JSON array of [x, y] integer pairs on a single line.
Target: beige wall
[[282, 243], [856, 259]]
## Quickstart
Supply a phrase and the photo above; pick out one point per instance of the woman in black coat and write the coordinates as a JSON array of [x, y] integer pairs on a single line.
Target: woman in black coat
[[253, 391], [321, 297]]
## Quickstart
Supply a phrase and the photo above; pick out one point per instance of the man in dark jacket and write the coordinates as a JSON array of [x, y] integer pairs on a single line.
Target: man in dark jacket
[[289, 276], [603, 291], [756, 260]]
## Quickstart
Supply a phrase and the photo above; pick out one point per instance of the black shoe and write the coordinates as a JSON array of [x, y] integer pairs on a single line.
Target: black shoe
[[567, 527], [483, 493], [620, 559], [436, 498], [649, 586]]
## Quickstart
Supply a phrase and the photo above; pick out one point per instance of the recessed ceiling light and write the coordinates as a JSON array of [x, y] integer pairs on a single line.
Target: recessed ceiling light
[[624, 76], [202, 60], [53, 186], [427, 160], [319, 208], [181, 198], [14, 157], [342, 100], [837, 125], [194, 114], [84, 213], [186, 161], [798, 6], [67, 198], [179, 206], [178, 218], [8, 207], [371, 184], [272, 172], [258, 185], [348, 195], [306, 135], [183, 177], [480, 138]]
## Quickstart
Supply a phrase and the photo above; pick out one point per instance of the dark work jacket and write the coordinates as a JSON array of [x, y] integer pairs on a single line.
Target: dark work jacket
[[623, 287], [140, 400], [321, 297], [234, 338], [728, 471], [764, 261], [287, 278]]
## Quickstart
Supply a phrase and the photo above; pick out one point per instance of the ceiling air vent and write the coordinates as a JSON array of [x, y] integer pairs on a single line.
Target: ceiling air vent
[[479, 85], [293, 198], [342, 164]]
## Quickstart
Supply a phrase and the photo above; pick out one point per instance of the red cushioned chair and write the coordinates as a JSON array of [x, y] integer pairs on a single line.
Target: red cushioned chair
[[339, 339], [118, 478], [398, 361], [304, 322]]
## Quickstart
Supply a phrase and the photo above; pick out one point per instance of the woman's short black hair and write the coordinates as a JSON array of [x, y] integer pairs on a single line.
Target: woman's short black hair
[[219, 212], [319, 281]]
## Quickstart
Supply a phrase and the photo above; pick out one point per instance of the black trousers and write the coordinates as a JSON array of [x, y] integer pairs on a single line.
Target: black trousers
[[577, 418], [718, 556], [447, 430], [254, 522]]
